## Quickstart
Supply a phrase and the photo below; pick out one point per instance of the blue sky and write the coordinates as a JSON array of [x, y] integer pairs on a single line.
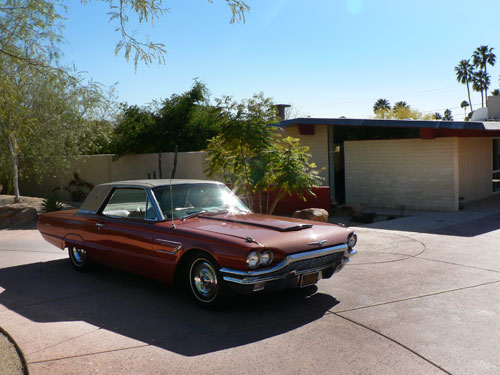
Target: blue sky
[[326, 58]]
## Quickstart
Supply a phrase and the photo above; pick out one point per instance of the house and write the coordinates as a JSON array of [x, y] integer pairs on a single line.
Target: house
[[424, 165]]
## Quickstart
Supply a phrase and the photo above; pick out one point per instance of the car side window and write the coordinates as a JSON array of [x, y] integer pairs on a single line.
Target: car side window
[[129, 203]]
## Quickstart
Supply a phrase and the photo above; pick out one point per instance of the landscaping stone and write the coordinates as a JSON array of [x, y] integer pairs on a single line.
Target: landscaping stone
[[16, 216], [316, 214]]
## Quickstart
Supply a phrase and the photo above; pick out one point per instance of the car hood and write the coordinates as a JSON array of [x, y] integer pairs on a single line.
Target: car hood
[[288, 234]]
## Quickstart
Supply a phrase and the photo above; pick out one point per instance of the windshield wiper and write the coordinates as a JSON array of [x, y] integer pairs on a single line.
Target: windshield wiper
[[194, 214]]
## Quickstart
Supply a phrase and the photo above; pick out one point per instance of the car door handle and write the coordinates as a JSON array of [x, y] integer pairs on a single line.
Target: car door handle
[[100, 225]]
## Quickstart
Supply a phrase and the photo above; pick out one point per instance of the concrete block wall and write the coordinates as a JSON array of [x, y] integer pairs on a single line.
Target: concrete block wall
[[475, 162], [419, 174], [318, 146]]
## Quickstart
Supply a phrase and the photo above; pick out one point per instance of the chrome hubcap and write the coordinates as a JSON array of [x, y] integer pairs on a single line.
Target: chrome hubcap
[[78, 255], [204, 279]]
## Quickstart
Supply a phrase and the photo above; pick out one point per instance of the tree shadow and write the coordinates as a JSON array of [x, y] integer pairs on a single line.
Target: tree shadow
[[149, 311]]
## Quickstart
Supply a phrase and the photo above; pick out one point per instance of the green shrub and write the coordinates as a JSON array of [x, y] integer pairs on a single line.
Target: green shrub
[[51, 204]]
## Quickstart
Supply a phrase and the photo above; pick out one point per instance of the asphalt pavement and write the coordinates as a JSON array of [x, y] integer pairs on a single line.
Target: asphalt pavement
[[421, 297]]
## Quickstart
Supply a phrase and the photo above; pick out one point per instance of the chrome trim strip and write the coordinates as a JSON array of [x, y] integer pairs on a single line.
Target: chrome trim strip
[[289, 259], [175, 244], [167, 252], [317, 243]]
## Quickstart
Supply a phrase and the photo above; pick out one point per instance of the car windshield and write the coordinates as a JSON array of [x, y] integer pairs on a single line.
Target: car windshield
[[190, 199]]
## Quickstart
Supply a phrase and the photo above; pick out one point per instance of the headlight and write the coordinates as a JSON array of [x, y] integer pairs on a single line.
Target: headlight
[[351, 240], [266, 258], [253, 260]]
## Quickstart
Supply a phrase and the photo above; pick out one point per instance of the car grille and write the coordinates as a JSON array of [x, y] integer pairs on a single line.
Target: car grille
[[309, 264]]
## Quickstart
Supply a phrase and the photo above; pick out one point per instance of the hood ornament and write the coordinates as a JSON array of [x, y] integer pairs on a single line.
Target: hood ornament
[[317, 243], [250, 239]]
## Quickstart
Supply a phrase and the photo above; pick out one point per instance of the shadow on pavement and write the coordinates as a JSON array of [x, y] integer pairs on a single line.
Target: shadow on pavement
[[151, 312], [440, 223], [477, 218], [471, 228]]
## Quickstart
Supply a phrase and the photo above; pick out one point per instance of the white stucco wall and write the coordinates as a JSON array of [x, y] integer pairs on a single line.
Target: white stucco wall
[[416, 173], [318, 146], [475, 162], [98, 169]]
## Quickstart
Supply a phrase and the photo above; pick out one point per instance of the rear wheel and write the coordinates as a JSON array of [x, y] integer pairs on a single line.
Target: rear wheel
[[79, 258], [205, 282]]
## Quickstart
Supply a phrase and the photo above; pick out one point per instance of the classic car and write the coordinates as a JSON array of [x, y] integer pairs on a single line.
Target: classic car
[[199, 232]]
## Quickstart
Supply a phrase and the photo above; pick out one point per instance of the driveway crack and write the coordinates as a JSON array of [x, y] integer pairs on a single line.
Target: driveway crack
[[416, 297], [89, 354], [395, 342]]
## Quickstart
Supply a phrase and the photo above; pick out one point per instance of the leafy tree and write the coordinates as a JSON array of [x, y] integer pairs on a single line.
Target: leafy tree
[[132, 134], [43, 116], [464, 105], [447, 115], [401, 110], [437, 116], [482, 56], [465, 71], [186, 120], [37, 25], [252, 156], [495, 92]]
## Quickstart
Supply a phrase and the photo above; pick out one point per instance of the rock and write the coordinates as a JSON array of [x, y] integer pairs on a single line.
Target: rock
[[11, 217], [349, 210], [316, 214]]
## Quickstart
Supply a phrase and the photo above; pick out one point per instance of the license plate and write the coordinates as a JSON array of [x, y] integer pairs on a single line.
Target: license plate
[[309, 279]]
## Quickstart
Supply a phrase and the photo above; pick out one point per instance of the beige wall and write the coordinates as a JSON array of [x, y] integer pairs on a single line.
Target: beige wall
[[98, 169], [318, 146], [416, 173], [475, 161]]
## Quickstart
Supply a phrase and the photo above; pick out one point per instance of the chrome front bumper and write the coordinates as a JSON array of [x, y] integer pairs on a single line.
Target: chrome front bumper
[[328, 260]]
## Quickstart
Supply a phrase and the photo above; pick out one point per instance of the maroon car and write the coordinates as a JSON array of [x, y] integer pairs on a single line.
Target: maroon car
[[198, 231]]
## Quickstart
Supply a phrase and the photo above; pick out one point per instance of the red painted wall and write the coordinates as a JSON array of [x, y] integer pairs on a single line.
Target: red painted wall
[[288, 204]]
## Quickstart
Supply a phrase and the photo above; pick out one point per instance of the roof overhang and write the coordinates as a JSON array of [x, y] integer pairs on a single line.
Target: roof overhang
[[428, 128]]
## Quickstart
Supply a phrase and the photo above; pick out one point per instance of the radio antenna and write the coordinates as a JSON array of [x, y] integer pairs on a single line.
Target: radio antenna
[[172, 203]]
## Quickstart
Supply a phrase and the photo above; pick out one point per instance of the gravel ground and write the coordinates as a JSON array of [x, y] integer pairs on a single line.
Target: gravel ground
[[10, 363]]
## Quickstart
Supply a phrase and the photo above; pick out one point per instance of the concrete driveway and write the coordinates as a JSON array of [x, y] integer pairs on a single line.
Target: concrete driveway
[[421, 297]]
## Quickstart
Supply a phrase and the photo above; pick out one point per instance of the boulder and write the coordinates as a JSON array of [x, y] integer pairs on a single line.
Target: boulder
[[16, 216], [349, 210], [316, 214]]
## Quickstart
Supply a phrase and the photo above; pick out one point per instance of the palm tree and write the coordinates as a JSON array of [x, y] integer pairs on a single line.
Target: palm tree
[[381, 106], [482, 56], [464, 105], [464, 71], [480, 80], [437, 116], [400, 105], [447, 115]]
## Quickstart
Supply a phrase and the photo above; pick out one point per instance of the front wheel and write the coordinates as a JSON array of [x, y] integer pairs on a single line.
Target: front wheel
[[79, 258], [206, 284]]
